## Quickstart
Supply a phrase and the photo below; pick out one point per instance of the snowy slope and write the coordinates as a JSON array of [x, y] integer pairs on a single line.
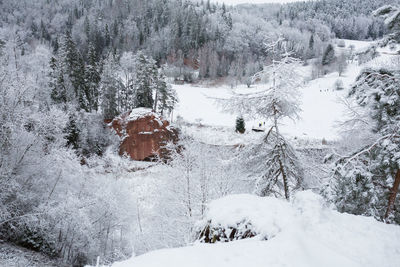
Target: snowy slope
[[304, 233], [320, 103]]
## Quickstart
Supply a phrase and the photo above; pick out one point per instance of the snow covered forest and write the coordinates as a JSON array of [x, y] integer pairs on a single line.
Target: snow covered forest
[[199, 133]]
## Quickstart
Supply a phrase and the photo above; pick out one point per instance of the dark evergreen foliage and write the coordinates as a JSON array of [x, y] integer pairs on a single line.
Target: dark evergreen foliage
[[329, 55], [240, 125]]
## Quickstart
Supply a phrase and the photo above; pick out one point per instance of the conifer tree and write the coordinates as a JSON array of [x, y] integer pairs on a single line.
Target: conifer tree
[[73, 66], [367, 181], [166, 97], [145, 82], [240, 125], [92, 78], [56, 83], [311, 53], [110, 85], [72, 133], [329, 55]]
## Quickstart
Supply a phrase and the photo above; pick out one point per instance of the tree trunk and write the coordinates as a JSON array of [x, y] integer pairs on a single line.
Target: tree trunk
[[285, 182], [189, 201], [393, 194]]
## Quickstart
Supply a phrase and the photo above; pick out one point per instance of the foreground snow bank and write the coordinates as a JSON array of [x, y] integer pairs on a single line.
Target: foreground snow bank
[[304, 232]]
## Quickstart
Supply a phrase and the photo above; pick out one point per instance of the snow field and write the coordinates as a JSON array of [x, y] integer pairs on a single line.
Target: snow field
[[303, 233], [321, 104]]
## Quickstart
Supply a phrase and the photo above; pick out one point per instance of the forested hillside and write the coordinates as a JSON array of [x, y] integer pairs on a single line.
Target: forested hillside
[[228, 38]]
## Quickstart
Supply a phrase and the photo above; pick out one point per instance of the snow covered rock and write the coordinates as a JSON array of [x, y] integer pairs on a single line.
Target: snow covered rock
[[303, 233], [242, 216], [144, 133]]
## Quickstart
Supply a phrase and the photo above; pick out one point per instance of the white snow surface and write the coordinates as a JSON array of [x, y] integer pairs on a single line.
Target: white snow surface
[[139, 113], [321, 104], [303, 233]]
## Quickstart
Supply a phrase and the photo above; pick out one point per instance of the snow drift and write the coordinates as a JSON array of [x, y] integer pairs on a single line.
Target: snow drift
[[305, 232]]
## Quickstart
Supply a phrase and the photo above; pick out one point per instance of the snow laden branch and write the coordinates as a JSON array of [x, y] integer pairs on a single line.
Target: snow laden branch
[[367, 181], [278, 169], [390, 14]]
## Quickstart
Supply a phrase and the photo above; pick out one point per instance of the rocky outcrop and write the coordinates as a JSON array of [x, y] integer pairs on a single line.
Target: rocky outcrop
[[144, 134]]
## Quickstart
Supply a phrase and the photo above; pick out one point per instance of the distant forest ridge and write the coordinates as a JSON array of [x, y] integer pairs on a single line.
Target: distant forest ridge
[[224, 39]]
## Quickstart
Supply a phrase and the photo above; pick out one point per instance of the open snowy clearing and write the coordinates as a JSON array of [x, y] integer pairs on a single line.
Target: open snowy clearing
[[321, 104], [303, 233]]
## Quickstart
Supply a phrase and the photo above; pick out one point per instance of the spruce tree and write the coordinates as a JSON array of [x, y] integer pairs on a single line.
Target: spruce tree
[[72, 133], [73, 66], [110, 85], [311, 53], [328, 56], [166, 97], [81, 89], [367, 181], [92, 78], [56, 83], [145, 82], [240, 125]]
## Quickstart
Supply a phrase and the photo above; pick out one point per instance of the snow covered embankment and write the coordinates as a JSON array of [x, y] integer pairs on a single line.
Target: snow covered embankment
[[303, 233]]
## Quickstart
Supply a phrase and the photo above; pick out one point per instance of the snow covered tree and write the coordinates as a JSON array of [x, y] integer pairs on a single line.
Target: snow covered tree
[[165, 96], [126, 95], [278, 101], [190, 181], [367, 181], [72, 133], [110, 86], [145, 80], [329, 55], [72, 65], [57, 83], [341, 63], [240, 125], [391, 14], [311, 47], [92, 78]]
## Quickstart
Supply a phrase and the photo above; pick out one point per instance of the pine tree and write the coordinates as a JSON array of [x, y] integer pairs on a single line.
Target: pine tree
[[110, 85], [240, 125], [166, 97], [73, 66], [311, 52], [311, 42], [86, 25], [72, 133], [367, 181], [145, 81], [92, 78], [107, 38], [56, 83], [81, 89], [328, 56]]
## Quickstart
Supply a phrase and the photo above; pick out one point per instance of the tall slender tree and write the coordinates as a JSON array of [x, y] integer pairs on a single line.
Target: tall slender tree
[[145, 80], [280, 173]]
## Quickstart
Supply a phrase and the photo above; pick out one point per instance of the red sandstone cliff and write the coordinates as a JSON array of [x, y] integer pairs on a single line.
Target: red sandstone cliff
[[143, 133]]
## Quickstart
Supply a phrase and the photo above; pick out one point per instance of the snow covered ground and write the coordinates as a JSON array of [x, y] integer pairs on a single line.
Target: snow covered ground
[[321, 105], [303, 233]]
